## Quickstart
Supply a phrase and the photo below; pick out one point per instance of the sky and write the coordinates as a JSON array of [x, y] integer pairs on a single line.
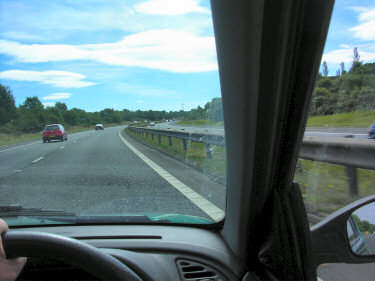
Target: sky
[[148, 54]]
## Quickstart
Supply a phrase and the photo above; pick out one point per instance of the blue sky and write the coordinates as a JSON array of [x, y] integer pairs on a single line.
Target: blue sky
[[150, 54]]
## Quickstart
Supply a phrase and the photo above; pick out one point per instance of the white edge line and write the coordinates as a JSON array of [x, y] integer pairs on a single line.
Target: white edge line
[[36, 160], [319, 279], [206, 206], [18, 146]]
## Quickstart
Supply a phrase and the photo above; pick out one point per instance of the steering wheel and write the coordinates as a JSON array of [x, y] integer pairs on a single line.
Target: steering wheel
[[71, 251]]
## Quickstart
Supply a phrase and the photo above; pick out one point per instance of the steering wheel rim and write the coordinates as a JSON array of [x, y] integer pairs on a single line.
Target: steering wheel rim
[[71, 251]]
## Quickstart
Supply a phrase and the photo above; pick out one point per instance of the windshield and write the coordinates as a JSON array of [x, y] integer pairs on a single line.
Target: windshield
[[147, 72]]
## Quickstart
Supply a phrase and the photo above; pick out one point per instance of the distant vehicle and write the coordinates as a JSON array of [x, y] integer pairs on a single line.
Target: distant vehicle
[[135, 122], [371, 132], [152, 124], [54, 132], [99, 127]]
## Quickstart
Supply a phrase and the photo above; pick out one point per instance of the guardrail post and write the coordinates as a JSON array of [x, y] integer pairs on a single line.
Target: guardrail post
[[170, 141], [351, 173], [146, 135], [152, 136], [159, 138], [184, 144], [208, 151]]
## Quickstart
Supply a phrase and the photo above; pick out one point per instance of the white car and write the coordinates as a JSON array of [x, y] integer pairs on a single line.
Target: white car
[[99, 127], [152, 124]]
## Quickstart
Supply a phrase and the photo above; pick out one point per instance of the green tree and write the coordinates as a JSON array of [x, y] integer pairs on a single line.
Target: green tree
[[33, 104], [323, 102], [325, 68], [7, 105], [215, 110], [342, 68], [61, 106], [70, 117]]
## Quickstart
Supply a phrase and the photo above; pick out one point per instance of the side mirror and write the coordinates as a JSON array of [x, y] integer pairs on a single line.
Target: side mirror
[[346, 236], [361, 230]]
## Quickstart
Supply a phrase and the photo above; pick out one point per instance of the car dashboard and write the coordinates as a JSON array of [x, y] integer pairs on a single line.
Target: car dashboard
[[152, 252]]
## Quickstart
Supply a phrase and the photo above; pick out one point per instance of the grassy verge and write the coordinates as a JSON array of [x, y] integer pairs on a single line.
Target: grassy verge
[[195, 154], [361, 119], [201, 123], [10, 138], [356, 119], [19, 137], [325, 186]]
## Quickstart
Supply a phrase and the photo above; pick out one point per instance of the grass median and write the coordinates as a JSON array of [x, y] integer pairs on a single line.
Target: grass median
[[194, 156], [355, 119]]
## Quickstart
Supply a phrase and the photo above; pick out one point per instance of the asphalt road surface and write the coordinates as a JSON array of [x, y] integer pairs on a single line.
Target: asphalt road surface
[[101, 172], [95, 172]]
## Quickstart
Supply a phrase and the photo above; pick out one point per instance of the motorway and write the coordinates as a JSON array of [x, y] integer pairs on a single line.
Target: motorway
[[106, 173], [310, 131], [98, 172]]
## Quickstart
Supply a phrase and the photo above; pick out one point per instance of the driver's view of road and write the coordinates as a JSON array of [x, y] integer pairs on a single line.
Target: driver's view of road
[[96, 173], [194, 115]]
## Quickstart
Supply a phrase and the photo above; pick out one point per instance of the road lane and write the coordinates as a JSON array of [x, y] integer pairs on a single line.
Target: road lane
[[18, 157], [97, 174]]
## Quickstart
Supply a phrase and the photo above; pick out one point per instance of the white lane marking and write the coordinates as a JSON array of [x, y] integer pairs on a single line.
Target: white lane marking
[[36, 160], [206, 206], [62, 147], [319, 279], [324, 133], [18, 146]]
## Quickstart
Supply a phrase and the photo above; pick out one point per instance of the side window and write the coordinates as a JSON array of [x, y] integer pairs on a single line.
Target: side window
[[335, 167]]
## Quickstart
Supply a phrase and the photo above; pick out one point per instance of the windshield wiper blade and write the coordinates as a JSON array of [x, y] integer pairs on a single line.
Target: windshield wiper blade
[[19, 211], [107, 219], [13, 211]]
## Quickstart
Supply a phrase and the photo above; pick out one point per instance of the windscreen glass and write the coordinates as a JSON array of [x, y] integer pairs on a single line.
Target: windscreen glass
[[145, 69]]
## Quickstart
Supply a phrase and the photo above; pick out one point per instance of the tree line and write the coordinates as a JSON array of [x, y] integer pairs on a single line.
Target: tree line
[[346, 91], [32, 115]]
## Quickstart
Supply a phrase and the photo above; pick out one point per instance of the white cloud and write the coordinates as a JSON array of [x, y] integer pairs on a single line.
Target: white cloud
[[345, 46], [57, 96], [62, 79], [168, 50], [49, 104], [41, 53], [170, 7], [366, 52], [366, 29]]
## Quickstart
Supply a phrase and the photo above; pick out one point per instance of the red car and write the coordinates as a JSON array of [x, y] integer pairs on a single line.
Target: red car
[[54, 132]]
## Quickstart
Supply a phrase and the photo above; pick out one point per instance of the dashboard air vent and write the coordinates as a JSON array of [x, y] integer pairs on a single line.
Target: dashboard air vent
[[194, 271]]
